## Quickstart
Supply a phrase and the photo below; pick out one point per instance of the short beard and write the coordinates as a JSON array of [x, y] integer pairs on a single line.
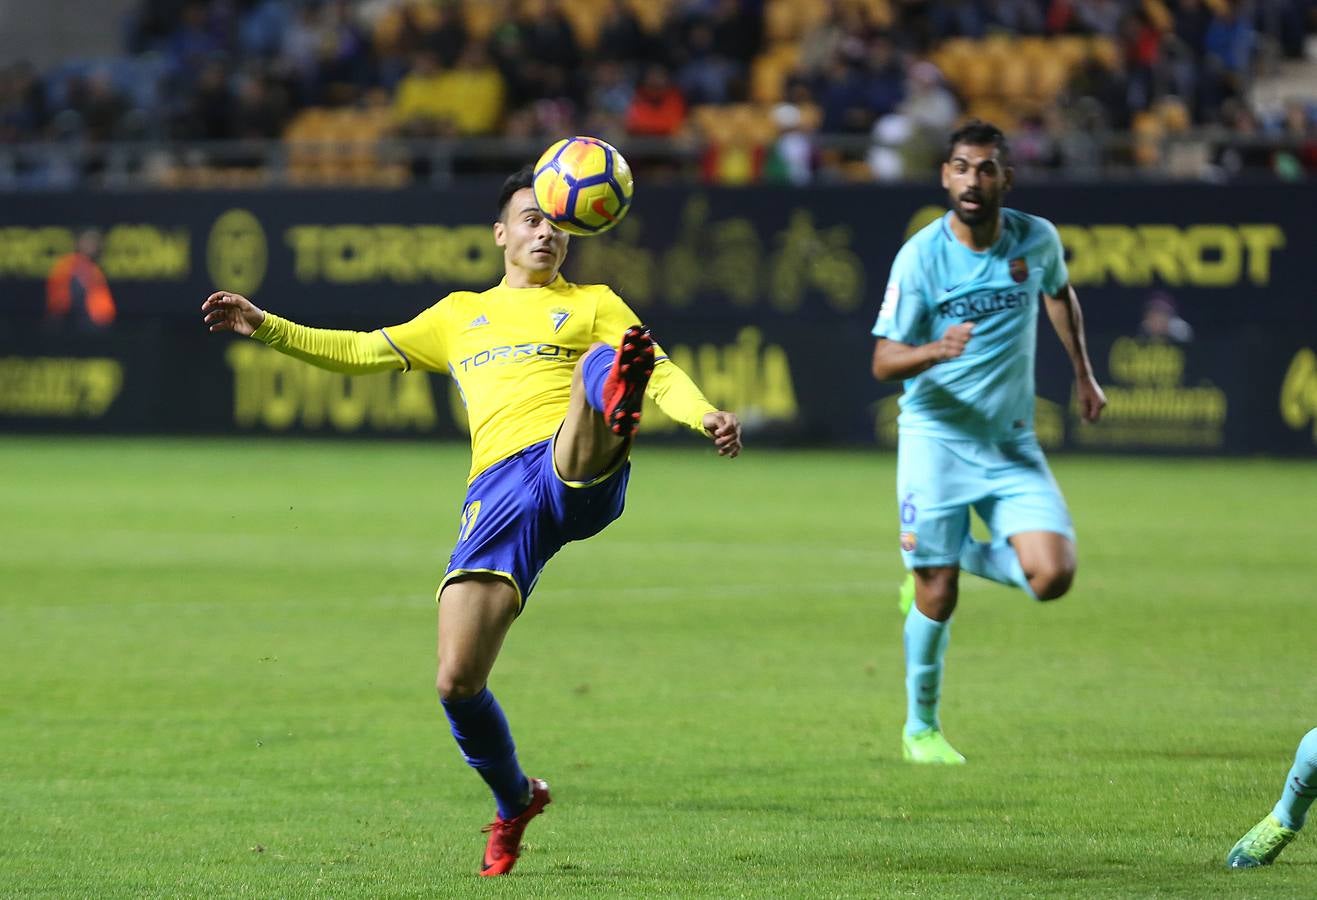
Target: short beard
[[985, 213]]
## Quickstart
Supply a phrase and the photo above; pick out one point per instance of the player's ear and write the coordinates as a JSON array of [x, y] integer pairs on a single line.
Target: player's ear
[[1008, 179], [500, 234], [946, 176]]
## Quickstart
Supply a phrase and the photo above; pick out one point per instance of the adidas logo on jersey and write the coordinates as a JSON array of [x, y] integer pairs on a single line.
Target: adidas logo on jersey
[[478, 321]]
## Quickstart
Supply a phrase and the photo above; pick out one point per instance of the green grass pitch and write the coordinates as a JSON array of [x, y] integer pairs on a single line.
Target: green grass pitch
[[218, 666]]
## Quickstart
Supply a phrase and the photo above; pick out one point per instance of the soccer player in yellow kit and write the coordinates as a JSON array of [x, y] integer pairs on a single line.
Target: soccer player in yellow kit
[[552, 409]]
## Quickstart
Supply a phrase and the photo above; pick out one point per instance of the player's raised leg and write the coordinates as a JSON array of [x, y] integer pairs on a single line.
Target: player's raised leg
[[475, 613], [1048, 561], [927, 632], [608, 390], [1047, 575], [1264, 841]]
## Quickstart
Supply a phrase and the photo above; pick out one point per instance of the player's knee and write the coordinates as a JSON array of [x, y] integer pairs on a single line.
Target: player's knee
[[454, 685], [1052, 580], [936, 596]]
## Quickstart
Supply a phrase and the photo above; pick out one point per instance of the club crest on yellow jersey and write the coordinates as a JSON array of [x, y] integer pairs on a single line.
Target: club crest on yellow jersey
[[558, 316]]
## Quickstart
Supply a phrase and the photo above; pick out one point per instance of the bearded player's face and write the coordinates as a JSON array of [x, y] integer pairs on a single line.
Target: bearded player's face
[[975, 180]]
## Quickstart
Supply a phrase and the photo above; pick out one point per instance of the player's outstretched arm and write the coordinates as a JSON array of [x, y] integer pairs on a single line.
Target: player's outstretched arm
[[1068, 320], [893, 360], [724, 429], [350, 352]]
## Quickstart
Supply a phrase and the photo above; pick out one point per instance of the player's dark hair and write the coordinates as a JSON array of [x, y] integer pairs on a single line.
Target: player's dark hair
[[978, 133], [522, 178]]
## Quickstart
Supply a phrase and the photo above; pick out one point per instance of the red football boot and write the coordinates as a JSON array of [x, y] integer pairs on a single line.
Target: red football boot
[[505, 834], [624, 388]]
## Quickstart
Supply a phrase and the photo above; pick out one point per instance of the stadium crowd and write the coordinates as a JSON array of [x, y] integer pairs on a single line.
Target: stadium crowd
[[762, 87]]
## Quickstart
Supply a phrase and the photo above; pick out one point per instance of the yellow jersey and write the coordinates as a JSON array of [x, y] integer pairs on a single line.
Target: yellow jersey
[[512, 352]]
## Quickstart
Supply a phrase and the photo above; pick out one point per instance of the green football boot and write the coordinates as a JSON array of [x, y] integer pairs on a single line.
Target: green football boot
[[929, 746], [1261, 845], [906, 594]]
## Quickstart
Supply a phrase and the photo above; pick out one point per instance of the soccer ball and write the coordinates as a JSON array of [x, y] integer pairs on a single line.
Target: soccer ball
[[583, 185]]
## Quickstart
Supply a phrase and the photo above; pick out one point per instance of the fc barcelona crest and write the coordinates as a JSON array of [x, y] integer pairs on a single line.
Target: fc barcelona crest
[[1020, 270]]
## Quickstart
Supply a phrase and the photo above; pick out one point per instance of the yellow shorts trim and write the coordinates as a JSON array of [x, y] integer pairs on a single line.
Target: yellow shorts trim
[[506, 576]]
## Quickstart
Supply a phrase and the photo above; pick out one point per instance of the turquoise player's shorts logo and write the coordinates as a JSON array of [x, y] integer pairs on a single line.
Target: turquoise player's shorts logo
[[909, 540]]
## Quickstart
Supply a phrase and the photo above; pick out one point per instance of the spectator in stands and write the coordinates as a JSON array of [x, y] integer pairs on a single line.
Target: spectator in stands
[[1162, 322], [77, 294], [1103, 79], [822, 42], [1099, 17], [193, 42], [704, 75], [342, 60], [420, 105], [449, 35], [737, 33], [300, 51], [547, 35], [99, 103], [658, 108], [1016, 16], [1192, 17], [467, 100], [507, 48], [608, 100], [621, 37], [1230, 40], [23, 110], [261, 110], [957, 18], [210, 112], [792, 157], [261, 30]]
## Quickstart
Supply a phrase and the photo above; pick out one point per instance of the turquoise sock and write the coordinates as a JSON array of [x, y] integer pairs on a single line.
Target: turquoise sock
[[1300, 785], [925, 645], [996, 561]]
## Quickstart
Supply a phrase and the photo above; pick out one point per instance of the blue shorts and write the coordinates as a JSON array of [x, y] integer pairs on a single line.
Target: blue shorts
[[520, 511], [938, 480]]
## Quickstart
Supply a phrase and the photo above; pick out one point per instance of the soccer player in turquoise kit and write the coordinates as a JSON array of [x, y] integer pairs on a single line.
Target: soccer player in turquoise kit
[[1264, 841], [958, 324], [552, 408]]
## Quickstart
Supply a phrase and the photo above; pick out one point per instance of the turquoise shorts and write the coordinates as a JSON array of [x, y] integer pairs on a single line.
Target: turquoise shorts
[[938, 481]]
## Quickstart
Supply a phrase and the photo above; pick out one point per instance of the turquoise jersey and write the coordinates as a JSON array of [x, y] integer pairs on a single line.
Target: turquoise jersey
[[987, 393]]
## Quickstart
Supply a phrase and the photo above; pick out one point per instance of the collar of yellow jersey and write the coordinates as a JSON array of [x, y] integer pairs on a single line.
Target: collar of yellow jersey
[[558, 284]]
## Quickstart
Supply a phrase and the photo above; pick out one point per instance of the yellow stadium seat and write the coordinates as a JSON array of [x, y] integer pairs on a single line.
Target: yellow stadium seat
[[1072, 48], [584, 16], [651, 13], [1105, 50], [1047, 78], [977, 78], [481, 16], [769, 71], [1013, 78], [780, 23], [1148, 133]]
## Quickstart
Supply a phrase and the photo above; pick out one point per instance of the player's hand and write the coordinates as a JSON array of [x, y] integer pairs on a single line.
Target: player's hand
[[725, 429], [953, 341], [1091, 398], [226, 311]]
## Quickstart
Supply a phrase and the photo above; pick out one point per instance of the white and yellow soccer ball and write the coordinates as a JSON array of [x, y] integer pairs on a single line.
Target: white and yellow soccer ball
[[583, 185]]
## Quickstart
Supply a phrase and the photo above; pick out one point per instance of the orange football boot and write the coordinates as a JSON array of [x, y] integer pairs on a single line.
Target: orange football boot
[[505, 834]]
